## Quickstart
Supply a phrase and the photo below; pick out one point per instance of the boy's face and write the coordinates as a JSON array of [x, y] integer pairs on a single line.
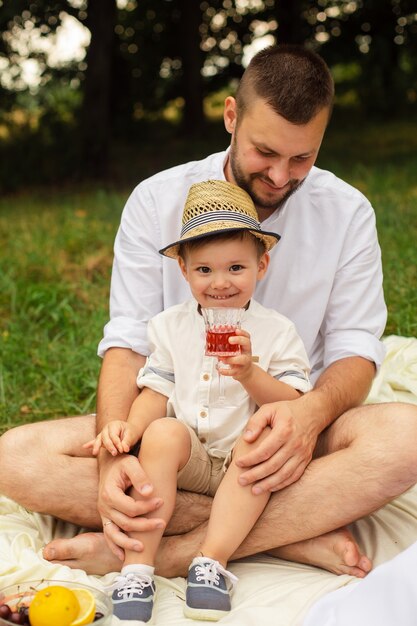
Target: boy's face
[[224, 273]]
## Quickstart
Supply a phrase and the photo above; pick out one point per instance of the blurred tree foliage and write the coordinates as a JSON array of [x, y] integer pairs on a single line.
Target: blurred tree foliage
[[144, 54]]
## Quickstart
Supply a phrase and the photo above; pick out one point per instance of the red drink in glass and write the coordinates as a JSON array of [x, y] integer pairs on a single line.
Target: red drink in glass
[[221, 323], [217, 342]]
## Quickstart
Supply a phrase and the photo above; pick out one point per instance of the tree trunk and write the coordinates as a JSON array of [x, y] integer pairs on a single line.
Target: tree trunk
[[381, 85], [291, 26], [192, 62], [95, 114]]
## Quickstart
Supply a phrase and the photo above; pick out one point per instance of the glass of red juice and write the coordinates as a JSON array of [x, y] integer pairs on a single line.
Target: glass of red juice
[[221, 323]]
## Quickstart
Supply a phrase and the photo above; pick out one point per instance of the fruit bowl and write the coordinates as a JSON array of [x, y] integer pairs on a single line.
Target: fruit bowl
[[18, 598]]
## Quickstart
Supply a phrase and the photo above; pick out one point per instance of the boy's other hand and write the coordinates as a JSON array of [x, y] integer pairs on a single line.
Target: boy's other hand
[[117, 437]]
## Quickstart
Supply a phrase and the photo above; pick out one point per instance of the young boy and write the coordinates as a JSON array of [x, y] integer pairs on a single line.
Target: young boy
[[186, 441]]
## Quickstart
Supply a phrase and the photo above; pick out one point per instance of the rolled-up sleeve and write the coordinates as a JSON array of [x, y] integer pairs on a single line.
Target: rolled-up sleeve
[[356, 314], [290, 362], [158, 372], [136, 283]]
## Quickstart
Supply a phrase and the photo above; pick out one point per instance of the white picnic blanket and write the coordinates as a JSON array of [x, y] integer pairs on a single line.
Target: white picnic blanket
[[270, 592]]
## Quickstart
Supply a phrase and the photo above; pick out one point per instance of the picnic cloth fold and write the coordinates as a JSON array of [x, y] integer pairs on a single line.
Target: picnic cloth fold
[[397, 378], [270, 592]]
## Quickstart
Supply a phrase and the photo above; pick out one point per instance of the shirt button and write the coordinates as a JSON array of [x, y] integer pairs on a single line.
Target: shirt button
[[203, 413], [203, 439], [206, 376]]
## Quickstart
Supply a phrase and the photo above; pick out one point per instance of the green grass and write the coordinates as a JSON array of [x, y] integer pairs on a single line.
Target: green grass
[[381, 161], [54, 280], [56, 254]]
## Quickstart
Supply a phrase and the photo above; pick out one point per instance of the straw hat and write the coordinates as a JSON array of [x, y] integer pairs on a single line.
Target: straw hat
[[216, 206]]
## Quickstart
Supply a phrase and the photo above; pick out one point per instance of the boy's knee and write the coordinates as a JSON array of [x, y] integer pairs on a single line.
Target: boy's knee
[[163, 430], [242, 447]]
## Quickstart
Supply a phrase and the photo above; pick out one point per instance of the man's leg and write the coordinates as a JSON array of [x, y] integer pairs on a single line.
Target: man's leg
[[44, 468], [365, 459]]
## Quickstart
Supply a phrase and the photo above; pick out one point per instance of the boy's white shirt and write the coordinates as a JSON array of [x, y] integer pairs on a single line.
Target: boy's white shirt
[[179, 369]]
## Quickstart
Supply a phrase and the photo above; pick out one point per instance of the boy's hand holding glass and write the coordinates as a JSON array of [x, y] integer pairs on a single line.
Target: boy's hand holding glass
[[240, 366], [117, 437], [221, 323], [230, 344]]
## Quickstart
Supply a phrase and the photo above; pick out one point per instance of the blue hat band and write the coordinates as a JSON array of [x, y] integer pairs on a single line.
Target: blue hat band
[[220, 216]]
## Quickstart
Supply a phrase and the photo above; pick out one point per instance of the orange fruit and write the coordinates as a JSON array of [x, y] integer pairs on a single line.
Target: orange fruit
[[87, 603], [52, 606]]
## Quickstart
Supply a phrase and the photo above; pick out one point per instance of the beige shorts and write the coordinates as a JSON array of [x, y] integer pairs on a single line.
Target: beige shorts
[[202, 473]]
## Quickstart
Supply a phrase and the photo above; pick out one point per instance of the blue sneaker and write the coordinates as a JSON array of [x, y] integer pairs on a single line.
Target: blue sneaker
[[207, 596], [133, 596]]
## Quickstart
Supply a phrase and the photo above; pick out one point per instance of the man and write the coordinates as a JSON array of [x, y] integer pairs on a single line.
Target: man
[[329, 459]]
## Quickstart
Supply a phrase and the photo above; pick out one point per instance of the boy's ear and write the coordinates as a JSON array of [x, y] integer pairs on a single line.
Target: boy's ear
[[263, 265], [183, 267]]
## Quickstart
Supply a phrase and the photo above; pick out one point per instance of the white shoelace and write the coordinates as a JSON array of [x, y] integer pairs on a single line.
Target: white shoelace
[[130, 583], [210, 572]]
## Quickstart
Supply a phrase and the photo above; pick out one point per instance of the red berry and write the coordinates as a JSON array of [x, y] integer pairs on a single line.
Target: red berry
[[5, 611], [17, 618]]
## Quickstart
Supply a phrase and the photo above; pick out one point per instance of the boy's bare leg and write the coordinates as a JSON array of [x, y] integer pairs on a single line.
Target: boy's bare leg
[[161, 460], [234, 511]]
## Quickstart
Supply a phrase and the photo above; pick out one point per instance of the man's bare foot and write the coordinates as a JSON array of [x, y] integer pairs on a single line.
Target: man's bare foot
[[336, 551], [88, 551]]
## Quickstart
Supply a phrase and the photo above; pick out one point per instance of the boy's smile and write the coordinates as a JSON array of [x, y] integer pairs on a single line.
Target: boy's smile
[[224, 273]]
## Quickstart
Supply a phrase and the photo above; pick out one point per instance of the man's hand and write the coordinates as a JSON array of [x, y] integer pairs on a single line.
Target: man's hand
[[284, 454], [117, 475]]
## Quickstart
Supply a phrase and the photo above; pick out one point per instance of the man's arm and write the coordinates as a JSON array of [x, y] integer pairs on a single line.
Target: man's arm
[[295, 426], [117, 388], [342, 386]]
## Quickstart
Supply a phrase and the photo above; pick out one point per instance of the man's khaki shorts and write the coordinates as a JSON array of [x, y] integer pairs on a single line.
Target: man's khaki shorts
[[202, 473]]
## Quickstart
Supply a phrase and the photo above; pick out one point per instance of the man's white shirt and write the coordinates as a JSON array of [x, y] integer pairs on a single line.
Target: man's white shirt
[[325, 273]]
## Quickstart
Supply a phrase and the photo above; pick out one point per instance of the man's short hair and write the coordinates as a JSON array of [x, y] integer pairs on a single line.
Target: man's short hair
[[295, 82]]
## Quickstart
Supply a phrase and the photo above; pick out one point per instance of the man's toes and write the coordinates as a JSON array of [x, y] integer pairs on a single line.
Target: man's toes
[[62, 549], [365, 564], [355, 571], [350, 554], [49, 552]]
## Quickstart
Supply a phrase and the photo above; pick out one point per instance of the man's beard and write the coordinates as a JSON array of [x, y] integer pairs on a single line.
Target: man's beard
[[245, 182]]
